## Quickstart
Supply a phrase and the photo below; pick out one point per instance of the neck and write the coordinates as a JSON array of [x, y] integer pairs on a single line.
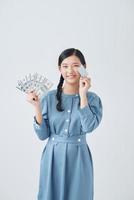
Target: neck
[[70, 89]]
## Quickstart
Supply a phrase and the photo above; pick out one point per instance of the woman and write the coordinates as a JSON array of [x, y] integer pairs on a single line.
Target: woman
[[65, 115]]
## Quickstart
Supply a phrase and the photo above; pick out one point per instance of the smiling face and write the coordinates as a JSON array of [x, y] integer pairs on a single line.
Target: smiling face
[[69, 69]]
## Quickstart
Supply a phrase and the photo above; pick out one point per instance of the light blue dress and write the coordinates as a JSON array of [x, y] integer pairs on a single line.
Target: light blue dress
[[66, 169]]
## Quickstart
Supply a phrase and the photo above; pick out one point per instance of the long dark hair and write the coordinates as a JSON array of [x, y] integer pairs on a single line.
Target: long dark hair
[[66, 53]]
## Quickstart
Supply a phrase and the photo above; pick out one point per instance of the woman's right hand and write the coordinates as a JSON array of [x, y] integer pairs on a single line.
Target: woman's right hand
[[33, 98]]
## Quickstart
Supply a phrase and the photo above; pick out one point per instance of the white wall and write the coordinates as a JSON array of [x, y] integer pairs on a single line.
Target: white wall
[[32, 35]]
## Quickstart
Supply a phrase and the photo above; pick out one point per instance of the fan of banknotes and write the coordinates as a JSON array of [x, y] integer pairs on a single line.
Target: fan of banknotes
[[34, 82]]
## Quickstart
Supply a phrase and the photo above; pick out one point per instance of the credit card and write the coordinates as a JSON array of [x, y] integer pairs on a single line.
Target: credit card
[[83, 72]]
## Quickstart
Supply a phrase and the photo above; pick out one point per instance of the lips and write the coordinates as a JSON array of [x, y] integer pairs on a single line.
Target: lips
[[71, 76]]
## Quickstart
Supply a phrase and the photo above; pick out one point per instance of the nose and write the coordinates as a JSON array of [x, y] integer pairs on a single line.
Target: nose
[[70, 69]]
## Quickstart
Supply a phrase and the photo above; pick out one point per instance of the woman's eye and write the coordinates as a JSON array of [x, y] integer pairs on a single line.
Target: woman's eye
[[65, 66]]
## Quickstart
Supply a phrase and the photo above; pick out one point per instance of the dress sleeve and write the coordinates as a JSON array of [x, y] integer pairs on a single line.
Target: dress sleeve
[[91, 114], [42, 130]]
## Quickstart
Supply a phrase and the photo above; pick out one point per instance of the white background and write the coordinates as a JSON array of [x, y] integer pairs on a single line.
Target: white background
[[32, 36]]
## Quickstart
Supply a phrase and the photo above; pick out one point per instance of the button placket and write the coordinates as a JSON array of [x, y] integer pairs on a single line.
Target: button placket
[[67, 120]]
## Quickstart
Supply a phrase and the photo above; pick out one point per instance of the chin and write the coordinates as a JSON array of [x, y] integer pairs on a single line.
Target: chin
[[72, 81]]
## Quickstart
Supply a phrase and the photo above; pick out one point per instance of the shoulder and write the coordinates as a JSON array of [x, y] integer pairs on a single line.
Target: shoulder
[[92, 95], [47, 97], [49, 94]]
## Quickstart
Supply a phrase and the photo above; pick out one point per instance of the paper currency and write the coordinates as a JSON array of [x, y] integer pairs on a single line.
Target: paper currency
[[34, 82]]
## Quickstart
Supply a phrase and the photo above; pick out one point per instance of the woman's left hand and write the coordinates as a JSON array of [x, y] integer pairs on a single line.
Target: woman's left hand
[[84, 85]]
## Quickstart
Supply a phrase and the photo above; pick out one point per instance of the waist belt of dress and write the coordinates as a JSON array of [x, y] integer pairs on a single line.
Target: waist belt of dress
[[78, 139]]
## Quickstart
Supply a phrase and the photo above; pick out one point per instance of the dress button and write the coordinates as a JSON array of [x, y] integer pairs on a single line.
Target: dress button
[[69, 111], [67, 120], [53, 138], [76, 95], [65, 130], [79, 140]]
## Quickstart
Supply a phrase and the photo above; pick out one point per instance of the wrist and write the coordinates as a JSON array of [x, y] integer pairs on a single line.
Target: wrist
[[83, 95], [37, 108]]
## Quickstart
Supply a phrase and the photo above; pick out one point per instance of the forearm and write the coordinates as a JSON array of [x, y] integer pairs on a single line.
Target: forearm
[[83, 100], [38, 115]]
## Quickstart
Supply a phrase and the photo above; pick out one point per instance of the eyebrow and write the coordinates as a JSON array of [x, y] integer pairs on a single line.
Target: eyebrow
[[72, 63]]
